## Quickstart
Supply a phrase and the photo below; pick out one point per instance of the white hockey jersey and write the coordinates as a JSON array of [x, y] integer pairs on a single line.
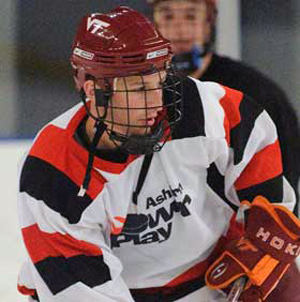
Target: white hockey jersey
[[102, 246]]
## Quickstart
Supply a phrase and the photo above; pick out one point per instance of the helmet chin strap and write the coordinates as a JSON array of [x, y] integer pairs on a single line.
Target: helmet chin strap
[[140, 144], [99, 127]]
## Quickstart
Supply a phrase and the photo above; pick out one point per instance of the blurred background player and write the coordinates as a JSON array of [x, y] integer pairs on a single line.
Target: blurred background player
[[190, 25]]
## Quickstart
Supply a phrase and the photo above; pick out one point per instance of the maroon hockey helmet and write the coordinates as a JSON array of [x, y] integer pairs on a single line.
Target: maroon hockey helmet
[[122, 42]]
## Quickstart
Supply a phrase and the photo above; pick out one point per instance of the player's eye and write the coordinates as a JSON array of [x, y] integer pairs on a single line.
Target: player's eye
[[190, 17], [168, 17]]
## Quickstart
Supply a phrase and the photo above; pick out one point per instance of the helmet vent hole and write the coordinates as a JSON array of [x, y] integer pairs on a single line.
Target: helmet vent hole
[[133, 59], [106, 59]]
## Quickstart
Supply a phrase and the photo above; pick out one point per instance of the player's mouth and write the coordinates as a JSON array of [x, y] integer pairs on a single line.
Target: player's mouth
[[181, 45], [149, 122]]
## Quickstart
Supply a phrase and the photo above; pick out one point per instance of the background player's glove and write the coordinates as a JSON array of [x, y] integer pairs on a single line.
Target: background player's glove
[[270, 244]]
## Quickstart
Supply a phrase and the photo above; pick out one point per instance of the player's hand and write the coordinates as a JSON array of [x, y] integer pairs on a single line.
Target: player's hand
[[270, 244]]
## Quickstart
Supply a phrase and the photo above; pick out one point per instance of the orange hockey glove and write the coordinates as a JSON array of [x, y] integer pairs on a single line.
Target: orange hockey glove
[[270, 244]]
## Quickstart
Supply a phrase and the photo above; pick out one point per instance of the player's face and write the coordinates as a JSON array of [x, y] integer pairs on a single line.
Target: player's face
[[184, 23], [136, 103]]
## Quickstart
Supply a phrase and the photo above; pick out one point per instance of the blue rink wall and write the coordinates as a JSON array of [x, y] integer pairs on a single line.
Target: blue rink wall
[[12, 252]]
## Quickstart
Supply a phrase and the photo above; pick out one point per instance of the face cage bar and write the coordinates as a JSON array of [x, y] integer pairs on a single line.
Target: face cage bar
[[153, 137]]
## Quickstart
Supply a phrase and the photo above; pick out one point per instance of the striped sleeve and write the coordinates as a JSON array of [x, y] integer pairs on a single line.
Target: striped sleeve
[[256, 165], [65, 264]]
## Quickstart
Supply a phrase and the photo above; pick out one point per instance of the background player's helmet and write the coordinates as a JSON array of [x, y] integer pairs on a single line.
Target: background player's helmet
[[119, 44]]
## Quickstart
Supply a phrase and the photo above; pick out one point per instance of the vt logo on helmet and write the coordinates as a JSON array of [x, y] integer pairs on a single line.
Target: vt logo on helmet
[[96, 24]]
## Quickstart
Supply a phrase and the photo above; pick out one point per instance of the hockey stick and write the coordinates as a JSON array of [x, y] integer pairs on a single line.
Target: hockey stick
[[237, 289]]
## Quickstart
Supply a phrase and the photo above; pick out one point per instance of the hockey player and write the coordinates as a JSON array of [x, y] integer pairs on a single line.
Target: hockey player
[[132, 195], [193, 43]]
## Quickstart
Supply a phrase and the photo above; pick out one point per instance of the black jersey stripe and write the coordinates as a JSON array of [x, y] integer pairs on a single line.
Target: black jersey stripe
[[239, 135], [43, 181], [60, 273], [192, 121], [216, 182], [168, 294], [270, 189]]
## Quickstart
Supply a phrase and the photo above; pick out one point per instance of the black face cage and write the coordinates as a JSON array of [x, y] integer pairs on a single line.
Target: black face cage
[[150, 138]]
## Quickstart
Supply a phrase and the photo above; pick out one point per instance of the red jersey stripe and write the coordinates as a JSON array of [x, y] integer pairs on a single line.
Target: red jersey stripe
[[26, 291], [41, 245], [230, 103], [53, 146], [264, 165]]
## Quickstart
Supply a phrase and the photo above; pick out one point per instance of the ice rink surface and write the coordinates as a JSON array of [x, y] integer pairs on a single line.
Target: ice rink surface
[[12, 250]]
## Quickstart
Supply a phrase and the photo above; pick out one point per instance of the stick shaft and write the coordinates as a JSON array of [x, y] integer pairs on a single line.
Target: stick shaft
[[237, 289]]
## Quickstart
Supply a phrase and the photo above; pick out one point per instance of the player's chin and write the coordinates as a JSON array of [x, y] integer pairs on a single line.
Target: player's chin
[[184, 46], [140, 129]]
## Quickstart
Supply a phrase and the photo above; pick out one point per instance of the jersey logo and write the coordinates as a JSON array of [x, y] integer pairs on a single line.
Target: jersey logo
[[154, 227], [94, 25], [117, 225]]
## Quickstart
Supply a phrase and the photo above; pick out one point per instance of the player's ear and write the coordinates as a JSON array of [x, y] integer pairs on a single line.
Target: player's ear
[[89, 89], [208, 30]]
